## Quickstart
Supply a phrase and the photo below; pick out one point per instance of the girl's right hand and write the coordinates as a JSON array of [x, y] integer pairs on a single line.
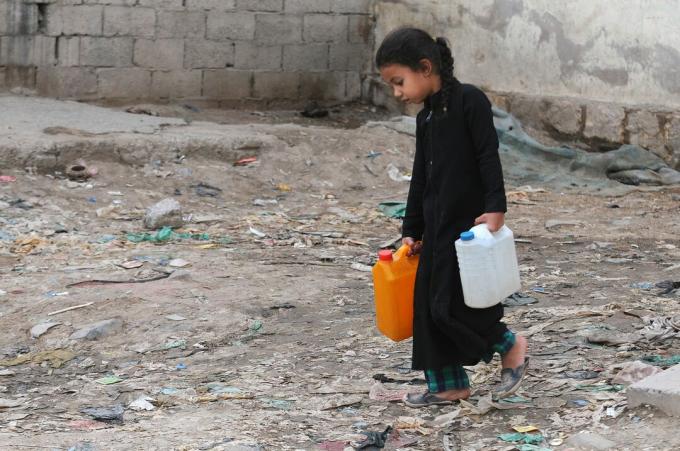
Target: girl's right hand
[[414, 246]]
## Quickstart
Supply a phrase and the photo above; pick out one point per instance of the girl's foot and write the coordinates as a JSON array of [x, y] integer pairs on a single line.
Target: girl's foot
[[435, 399], [515, 357]]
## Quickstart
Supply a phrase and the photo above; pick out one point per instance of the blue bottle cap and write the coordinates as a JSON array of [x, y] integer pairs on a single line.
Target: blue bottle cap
[[467, 236]]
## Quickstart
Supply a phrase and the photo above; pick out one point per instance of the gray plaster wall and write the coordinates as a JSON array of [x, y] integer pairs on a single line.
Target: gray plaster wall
[[225, 50], [595, 70]]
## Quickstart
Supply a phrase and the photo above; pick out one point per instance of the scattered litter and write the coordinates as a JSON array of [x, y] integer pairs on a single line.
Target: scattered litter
[[373, 439], [662, 361], [178, 263], [41, 329], [245, 161], [265, 202], [7, 179], [642, 285], [68, 309], [131, 264], [256, 232], [283, 187], [142, 403], [529, 439], [166, 234], [393, 209], [519, 299], [175, 317], [56, 357], [314, 111], [109, 380], [378, 392], [581, 374], [661, 328], [180, 366], [106, 414], [396, 175], [361, 267]]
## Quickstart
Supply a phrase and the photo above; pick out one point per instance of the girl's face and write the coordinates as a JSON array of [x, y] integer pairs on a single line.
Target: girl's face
[[411, 86]]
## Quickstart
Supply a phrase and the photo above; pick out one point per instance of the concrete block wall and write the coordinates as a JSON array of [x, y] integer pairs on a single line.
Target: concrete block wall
[[219, 50]]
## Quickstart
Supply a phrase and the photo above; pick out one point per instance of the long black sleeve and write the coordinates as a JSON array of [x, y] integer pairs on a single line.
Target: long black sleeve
[[414, 221], [479, 118]]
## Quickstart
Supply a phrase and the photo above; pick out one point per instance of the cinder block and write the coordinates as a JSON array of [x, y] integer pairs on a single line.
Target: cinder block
[[325, 28], [353, 86], [259, 5], [275, 29], [661, 390], [276, 85], [305, 57], [68, 51], [176, 5], [352, 6], [308, 6], [231, 26], [106, 52], [27, 50], [181, 24], [604, 122], [67, 82], [18, 18], [349, 56], [208, 54], [324, 86], [129, 21], [159, 53], [212, 5], [249, 55], [132, 83], [227, 84], [74, 20], [176, 84], [18, 76], [361, 29]]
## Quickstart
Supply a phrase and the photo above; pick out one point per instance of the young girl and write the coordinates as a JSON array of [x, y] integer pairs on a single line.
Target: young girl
[[457, 182]]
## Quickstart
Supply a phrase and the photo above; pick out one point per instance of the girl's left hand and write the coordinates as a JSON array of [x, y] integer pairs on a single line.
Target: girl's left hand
[[494, 221]]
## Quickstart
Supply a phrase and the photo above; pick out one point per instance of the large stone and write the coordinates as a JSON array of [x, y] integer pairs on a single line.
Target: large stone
[[564, 116], [98, 330], [644, 129], [604, 122], [589, 441], [166, 213], [661, 390]]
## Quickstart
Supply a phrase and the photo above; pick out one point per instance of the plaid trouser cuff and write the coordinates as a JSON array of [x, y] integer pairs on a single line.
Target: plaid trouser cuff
[[451, 377], [454, 377]]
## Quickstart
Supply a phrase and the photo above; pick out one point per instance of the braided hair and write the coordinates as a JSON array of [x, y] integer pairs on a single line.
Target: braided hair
[[409, 46]]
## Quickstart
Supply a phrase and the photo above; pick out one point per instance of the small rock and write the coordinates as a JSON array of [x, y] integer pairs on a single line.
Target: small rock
[[108, 414], [97, 330], [40, 329], [142, 403], [590, 441], [181, 275], [178, 263], [175, 318], [166, 213], [552, 223]]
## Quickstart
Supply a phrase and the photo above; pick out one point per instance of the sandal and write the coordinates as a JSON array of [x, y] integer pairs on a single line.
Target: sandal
[[511, 379], [426, 399]]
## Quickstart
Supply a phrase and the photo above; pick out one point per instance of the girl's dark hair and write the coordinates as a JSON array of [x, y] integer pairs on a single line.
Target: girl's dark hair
[[409, 46]]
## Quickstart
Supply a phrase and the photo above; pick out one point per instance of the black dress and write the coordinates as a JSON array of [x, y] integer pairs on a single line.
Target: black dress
[[457, 176]]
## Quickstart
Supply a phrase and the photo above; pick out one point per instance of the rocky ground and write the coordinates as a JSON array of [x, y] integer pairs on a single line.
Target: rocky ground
[[252, 326]]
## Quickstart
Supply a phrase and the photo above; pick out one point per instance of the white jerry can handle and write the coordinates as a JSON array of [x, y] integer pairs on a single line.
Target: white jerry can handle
[[482, 231]]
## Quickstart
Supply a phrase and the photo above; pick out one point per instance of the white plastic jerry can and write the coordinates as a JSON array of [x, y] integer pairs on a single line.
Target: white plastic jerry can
[[488, 266]]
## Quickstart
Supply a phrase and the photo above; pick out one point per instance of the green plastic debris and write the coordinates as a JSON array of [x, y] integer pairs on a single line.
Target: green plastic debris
[[662, 361], [393, 209], [109, 380], [526, 447], [256, 325], [529, 439], [166, 234], [516, 400], [601, 387], [182, 344]]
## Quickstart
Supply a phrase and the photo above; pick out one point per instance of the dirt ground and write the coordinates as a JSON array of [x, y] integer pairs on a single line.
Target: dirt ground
[[263, 337]]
